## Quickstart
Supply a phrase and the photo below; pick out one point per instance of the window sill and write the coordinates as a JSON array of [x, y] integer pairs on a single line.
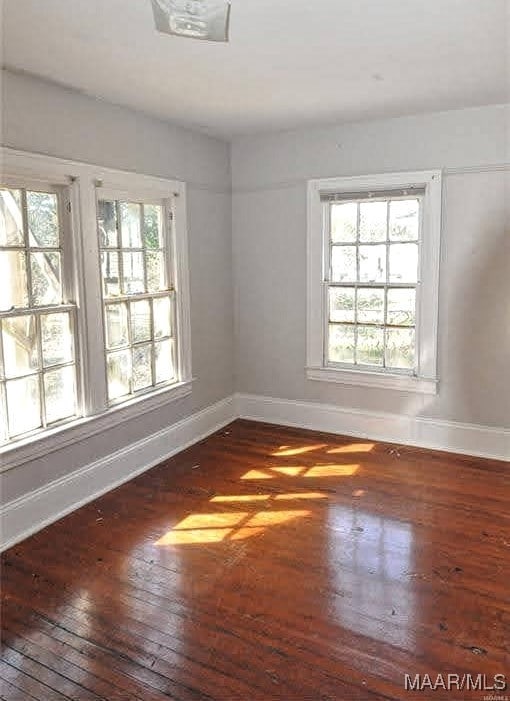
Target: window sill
[[367, 378], [45, 442]]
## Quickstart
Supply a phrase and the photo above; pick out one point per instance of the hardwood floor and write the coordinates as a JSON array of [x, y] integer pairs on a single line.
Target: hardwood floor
[[268, 563]]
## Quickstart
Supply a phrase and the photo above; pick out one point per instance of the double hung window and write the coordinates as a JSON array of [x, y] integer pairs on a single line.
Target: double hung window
[[138, 294], [373, 246], [38, 380], [94, 300]]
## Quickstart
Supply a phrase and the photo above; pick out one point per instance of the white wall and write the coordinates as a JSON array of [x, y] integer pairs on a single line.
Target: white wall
[[44, 118], [269, 236], [267, 342]]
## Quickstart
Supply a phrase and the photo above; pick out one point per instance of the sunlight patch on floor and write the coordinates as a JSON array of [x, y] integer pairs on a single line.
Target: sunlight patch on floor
[[285, 451], [301, 495], [257, 475], [332, 471], [244, 498], [353, 448], [216, 527], [300, 471], [289, 471], [240, 498], [227, 518], [203, 528]]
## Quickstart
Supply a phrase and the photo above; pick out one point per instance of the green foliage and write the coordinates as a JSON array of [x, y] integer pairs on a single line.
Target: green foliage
[[152, 226]]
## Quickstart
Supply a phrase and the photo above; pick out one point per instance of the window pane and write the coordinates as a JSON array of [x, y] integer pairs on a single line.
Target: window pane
[[343, 264], [404, 220], [130, 214], [110, 270], [13, 274], [372, 263], [20, 345], [404, 262], [156, 278], [341, 304], [119, 372], [46, 277], [401, 306], [133, 273], [373, 221], [344, 222], [140, 321], [370, 306], [400, 348], [152, 226], [162, 317], [370, 345], [341, 344], [107, 222], [23, 405], [59, 394], [43, 220], [164, 361], [142, 367], [116, 325], [11, 218], [57, 339]]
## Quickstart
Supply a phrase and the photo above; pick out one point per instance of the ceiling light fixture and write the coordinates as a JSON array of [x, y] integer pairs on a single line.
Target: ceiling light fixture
[[196, 19]]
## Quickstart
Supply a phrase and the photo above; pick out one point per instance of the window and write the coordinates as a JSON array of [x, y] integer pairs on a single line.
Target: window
[[373, 248], [94, 300], [37, 320], [138, 295]]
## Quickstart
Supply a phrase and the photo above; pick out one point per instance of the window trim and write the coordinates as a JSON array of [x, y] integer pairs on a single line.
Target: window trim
[[426, 379], [169, 246], [66, 305], [82, 179]]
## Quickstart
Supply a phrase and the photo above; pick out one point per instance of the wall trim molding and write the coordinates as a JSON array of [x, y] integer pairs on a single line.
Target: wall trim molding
[[71, 164], [31, 512], [436, 434], [34, 511], [302, 182]]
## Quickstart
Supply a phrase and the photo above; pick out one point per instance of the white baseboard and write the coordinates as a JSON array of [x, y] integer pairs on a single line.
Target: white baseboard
[[471, 439], [32, 512]]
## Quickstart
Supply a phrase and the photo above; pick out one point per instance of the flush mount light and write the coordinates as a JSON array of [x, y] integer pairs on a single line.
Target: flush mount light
[[197, 19]]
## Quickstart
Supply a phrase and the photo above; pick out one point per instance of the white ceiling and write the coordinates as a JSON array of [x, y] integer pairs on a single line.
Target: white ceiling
[[289, 63]]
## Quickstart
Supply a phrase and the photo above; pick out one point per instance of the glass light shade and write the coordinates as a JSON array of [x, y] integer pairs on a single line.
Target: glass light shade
[[197, 19]]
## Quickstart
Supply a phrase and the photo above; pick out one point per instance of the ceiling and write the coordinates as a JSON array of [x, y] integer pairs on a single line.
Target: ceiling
[[289, 63]]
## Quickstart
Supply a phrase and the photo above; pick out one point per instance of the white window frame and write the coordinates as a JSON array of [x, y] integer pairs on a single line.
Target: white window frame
[[168, 203], [83, 181], [425, 380], [68, 292]]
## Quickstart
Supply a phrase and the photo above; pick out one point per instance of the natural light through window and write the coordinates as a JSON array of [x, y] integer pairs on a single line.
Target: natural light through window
[[373, 260], [37, 349], [95, 322], [217, 527], [138, 296], [300, 471], [240, 498], [286, 451], [373, 280], [352, 448], [220, 526]]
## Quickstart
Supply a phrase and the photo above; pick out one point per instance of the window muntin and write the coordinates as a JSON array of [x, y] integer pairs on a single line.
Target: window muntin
[[138, 296], [372, 250], [76, 186], [38, 383]]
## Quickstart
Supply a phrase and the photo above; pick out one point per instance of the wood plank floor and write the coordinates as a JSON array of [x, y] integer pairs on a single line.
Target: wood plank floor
[[267, 563]]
